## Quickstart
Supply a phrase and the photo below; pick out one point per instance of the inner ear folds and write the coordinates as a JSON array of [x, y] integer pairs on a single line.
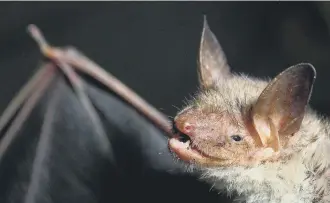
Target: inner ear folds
[[281, 106], [213, 64]]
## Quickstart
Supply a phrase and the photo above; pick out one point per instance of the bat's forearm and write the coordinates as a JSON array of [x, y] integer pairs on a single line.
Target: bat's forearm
[[78, 60]]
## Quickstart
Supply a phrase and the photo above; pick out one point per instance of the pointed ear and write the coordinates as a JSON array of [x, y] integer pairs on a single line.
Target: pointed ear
[[280, 108], [213, 64]]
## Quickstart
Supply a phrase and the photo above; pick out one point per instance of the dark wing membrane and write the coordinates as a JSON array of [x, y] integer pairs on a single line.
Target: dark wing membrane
[[58, 156]]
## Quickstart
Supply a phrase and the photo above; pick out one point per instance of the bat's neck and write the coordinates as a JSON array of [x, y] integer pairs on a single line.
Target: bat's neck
[[302, 178], [266, 183]]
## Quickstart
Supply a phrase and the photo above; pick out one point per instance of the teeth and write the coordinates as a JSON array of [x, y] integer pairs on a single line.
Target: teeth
[[187, 144], [180, 145]]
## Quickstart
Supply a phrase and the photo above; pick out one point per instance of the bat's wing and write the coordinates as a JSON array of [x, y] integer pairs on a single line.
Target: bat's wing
[[69, 136]]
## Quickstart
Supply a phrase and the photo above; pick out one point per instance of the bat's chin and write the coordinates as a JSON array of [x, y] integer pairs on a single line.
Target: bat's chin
[[187, 153]]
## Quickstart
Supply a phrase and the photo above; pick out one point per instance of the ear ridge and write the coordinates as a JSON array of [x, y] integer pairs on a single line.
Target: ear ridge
[[213, 63], [283, 103]]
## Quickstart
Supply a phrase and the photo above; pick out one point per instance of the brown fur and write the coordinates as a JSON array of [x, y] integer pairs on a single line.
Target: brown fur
[[284, 154]]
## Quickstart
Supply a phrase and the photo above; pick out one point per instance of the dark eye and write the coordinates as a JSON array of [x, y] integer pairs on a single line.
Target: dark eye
[[236, 138]]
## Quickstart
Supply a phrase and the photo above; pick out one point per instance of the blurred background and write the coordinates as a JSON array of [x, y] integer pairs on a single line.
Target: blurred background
[[152, 46]]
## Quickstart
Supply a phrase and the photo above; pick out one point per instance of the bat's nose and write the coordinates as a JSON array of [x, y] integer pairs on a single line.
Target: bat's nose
[[185, 125]]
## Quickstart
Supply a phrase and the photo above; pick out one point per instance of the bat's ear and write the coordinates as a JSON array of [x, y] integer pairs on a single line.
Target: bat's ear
[[280, 108], [213, 64]]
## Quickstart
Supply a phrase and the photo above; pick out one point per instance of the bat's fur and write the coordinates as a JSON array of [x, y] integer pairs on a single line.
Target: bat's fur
[[299, 178], [299, 174]]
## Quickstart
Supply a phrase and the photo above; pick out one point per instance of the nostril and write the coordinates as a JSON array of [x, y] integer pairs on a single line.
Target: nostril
[[188, 128], [182, 124]]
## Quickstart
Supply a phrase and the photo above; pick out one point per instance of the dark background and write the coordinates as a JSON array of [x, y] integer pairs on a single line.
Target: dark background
[[152, 46]]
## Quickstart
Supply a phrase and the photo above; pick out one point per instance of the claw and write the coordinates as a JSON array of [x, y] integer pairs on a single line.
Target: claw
[[47, 50]]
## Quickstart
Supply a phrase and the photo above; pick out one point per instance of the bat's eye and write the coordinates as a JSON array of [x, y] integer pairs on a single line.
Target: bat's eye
[[236, 138]]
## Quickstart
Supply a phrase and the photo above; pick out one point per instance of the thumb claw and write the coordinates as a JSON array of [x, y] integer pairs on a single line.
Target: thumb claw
[[47, 50]]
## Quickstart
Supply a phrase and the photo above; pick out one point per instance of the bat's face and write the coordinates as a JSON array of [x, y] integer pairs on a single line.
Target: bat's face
[[239, 120], [216, 128]]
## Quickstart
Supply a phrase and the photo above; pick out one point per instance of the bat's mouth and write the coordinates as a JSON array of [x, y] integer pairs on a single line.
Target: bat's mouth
[[182, 145]]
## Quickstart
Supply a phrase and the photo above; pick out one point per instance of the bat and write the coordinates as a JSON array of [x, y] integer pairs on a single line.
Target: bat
[[255, 139], [75, 133]]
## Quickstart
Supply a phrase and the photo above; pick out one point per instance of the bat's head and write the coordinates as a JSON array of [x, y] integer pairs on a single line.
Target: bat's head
[[239, 120]]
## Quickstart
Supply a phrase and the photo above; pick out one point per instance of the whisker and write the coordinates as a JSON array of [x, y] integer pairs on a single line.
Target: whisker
[[177, 108]]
